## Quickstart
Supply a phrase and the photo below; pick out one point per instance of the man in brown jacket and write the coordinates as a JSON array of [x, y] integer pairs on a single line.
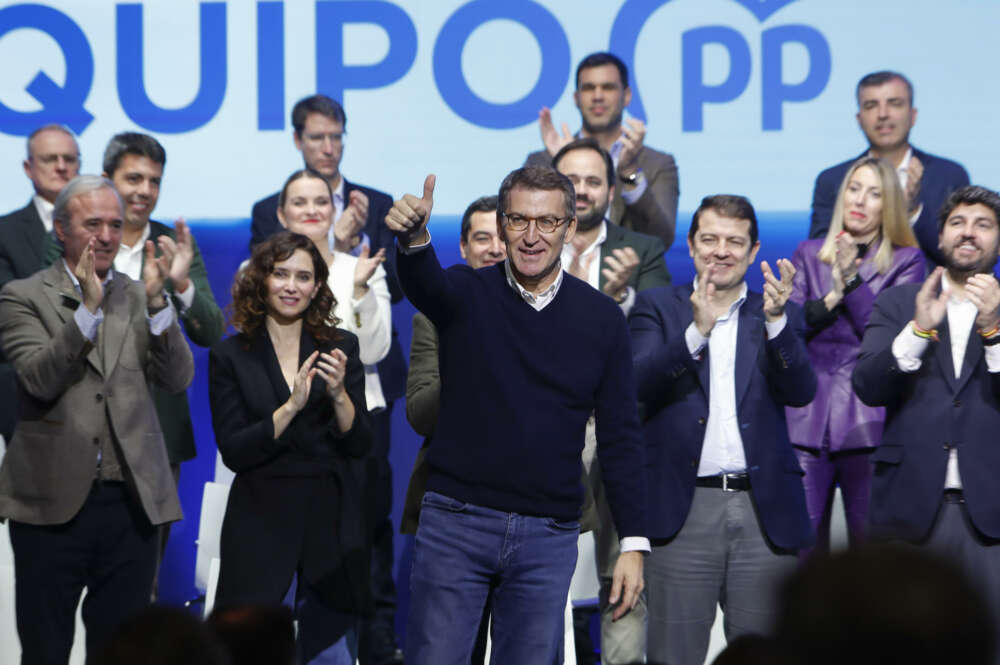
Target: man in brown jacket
[[85, 479]]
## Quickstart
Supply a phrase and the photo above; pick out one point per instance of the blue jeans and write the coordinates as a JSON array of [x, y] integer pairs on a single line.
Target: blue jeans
[[461, 552]]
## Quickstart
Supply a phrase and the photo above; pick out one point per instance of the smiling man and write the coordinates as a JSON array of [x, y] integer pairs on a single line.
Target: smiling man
[[134, 163], [886, 115], [645, 180], [86, 481], [502, 507], [931, 357], [716, 364]]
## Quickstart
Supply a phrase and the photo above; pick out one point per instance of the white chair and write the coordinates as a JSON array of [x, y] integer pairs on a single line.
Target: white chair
[[206, 567]]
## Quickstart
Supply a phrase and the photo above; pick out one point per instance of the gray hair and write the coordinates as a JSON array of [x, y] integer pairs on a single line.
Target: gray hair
[[48, 128], [82, 184]]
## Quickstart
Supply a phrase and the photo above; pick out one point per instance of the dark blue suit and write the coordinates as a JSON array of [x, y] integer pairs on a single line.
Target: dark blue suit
[[927, 413], [711, 546], [770, 374], [941, 177]]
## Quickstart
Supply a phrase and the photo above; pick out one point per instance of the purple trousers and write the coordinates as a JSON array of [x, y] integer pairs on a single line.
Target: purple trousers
[[849, 469]]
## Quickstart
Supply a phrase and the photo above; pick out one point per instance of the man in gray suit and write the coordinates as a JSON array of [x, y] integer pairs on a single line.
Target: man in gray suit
[[646, 189], [85, 480]]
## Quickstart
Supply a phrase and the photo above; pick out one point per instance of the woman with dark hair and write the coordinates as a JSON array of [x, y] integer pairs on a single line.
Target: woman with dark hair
[[869, 248], [287, 399]]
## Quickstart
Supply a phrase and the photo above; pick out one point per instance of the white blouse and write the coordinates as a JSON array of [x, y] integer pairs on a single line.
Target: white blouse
[[369, 318]]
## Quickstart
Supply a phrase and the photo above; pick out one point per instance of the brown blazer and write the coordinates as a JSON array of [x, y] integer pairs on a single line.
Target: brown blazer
[[66, 396]]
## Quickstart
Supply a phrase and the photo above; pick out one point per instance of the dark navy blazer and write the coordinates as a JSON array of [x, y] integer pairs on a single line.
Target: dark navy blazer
[[941, 177], [927, 413], [770, 374]]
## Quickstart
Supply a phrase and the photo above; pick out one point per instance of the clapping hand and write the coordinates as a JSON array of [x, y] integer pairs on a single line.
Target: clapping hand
[[155, 270], [332, 368], [777, 291], [364, 269], [347, 228], [931, 303], [553, 140], [90, 284]]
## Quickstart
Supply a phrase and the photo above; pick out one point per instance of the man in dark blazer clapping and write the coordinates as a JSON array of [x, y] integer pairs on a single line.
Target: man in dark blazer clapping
[[886, 115], [715, 366], [931, 357]]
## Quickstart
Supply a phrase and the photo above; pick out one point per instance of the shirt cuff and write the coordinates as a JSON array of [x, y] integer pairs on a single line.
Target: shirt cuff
[[774, 328], [907, 348], [916, 214], [631, 196], [413, 249], [634, 544], [161, 320], [992, 358], [186, 297], [695, 340], [626, 304], [88, 322]]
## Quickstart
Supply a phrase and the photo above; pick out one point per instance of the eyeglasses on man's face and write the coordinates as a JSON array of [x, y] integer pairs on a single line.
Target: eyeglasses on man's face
[[545, 223]]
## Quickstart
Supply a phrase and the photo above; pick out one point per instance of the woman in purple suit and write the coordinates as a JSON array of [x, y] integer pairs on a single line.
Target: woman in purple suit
[[869, 248]]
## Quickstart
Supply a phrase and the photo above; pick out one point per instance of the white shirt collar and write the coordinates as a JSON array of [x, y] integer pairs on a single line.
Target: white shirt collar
[[537, 301], [45, 210]]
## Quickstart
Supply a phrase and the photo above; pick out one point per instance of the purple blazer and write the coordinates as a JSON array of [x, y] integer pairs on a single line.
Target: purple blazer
[[833, 350]]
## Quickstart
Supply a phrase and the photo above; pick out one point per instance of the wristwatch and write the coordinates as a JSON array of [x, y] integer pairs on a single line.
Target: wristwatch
[[632, 179]]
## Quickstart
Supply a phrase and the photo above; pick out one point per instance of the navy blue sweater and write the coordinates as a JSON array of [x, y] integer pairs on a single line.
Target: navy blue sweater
[[517, 387]]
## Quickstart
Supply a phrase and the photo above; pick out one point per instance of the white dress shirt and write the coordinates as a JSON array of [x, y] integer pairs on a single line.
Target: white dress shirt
[[45, 210], [722, 450], [909, 349]]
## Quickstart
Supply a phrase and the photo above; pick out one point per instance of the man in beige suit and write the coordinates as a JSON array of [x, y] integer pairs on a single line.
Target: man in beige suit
[[85, 479]]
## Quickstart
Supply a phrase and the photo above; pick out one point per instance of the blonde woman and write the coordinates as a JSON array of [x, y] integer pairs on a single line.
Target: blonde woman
[[868, 249]]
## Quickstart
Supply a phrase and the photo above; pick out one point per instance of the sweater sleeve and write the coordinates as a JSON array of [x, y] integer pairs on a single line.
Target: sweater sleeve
[[619, 440]]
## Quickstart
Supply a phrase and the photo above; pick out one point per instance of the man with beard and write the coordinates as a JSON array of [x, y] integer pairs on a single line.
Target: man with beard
[[931, 357], [646, 198], [527, 354], [886, 115], [620, 263]]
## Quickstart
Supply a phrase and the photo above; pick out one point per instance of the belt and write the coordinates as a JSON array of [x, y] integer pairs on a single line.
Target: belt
[[727, 482]]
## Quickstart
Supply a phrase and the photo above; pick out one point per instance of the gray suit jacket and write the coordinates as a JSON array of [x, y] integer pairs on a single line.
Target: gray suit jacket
[[655, 213], [67, 395]]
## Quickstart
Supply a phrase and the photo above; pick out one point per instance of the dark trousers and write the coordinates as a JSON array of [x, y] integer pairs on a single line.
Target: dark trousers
[[851, 470], [109, 548], [378, 633]]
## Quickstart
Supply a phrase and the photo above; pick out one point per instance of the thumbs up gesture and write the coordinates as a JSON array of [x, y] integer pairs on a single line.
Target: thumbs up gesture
[[408, 216]]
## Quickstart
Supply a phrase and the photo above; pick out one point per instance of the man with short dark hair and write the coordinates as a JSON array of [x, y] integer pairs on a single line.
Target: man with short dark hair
[[931, 357], [620, 263], [646, 188], [135, 162], [886, 115], [86, 480], [26, 239], [527, 354], [716, 365], [359, 213]]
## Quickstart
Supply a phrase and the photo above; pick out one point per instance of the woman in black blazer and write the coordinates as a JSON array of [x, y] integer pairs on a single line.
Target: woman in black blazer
[[288, 409]]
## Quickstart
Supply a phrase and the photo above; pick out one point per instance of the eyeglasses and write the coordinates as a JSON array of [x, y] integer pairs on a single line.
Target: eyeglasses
[[545, 224]]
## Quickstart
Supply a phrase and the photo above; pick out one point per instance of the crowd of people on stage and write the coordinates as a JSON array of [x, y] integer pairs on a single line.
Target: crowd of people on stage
[[562, 383]]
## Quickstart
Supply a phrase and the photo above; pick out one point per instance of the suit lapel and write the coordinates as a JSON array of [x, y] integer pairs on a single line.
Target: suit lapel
[[117, 317], [33, 233], [263, 348], [62, 295], [749, 338], [943, 353]]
